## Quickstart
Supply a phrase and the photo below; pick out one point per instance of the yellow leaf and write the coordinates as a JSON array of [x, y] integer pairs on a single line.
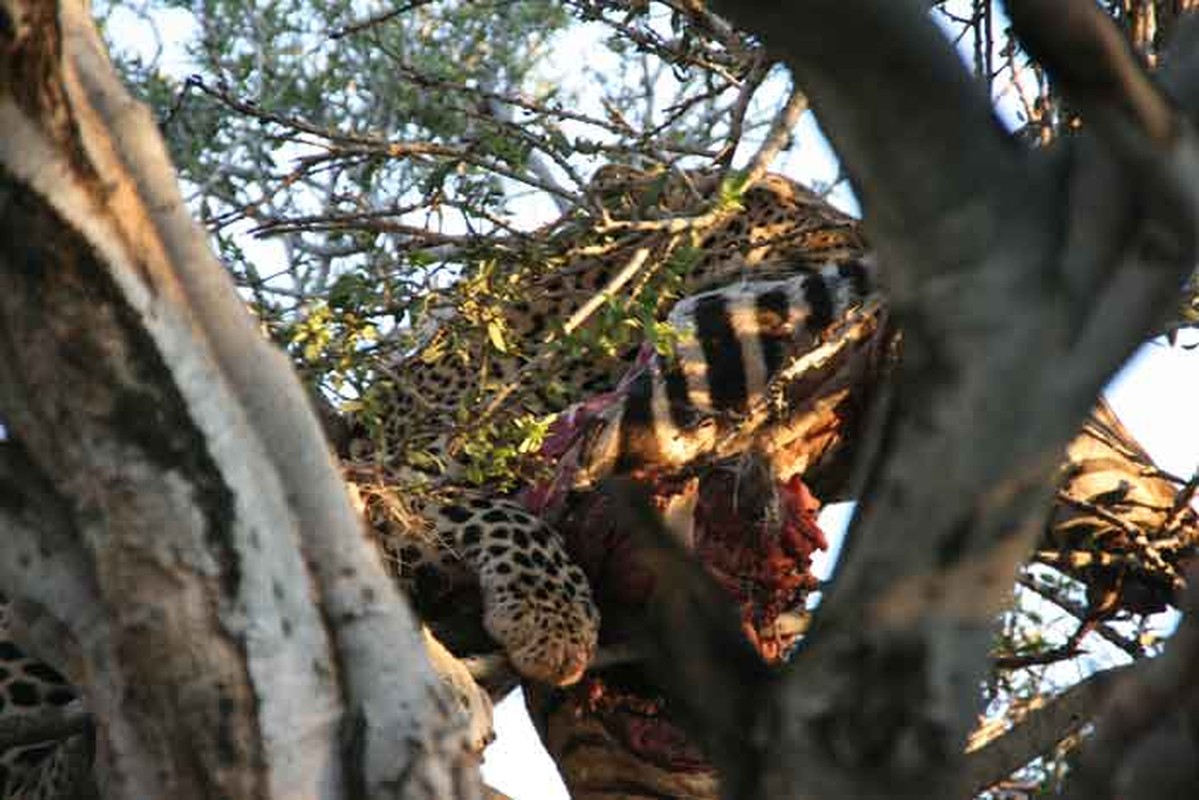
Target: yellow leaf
[[496, 334]]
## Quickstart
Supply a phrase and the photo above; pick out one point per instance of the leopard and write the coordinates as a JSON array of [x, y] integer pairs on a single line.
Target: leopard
[[535, 602], [774, 240], [775, 229]]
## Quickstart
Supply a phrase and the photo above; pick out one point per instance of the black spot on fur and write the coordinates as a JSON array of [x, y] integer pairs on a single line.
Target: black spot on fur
[[536, 324], [456, 514], [471, 535], [23, 693], [10, 652], [495, 516], [44, 673]]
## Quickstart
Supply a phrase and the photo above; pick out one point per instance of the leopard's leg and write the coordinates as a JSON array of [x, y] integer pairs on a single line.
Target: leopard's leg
[[55, 769], [537, 604]]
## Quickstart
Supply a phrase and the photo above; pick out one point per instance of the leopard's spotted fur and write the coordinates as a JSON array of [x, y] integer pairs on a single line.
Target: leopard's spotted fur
[[780, 228], [534, 602], [48, 770]]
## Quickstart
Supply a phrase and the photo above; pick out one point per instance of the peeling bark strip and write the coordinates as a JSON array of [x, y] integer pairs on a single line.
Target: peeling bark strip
[[231, 617]]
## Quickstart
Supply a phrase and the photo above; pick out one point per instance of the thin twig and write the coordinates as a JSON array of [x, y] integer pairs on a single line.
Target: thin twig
[[1080, 612], [749, 88], [377, 19], [1064, 653], [626, 274]]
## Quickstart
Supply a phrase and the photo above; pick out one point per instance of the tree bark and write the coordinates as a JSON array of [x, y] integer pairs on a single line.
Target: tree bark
[[224, 612]]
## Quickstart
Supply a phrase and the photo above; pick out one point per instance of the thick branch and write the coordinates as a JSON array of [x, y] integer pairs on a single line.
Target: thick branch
[[995, 755], [1078, 44]]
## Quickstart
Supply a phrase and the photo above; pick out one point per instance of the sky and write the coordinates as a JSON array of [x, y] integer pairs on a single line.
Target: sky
[[1154, 394]]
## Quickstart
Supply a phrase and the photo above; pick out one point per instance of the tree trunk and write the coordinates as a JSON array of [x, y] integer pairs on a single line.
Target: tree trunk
[[219, 602]]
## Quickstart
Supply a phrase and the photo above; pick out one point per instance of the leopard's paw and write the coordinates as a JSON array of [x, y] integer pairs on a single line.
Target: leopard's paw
[[543, 615]]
